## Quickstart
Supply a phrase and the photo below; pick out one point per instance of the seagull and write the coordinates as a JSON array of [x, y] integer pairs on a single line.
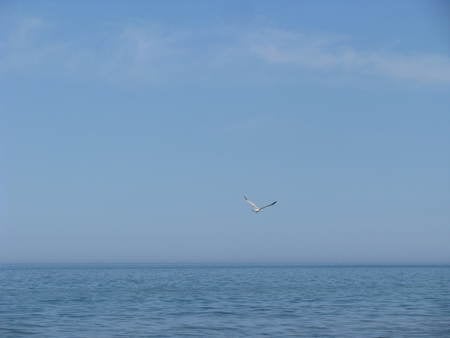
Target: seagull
[[255, 208]]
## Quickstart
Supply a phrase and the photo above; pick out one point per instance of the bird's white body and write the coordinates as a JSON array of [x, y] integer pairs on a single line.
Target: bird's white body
[[255, 208]]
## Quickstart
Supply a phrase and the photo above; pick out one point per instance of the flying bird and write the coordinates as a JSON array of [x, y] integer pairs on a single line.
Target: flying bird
[[255, 208]]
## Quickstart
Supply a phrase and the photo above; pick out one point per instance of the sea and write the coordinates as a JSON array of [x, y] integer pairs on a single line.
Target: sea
[[154, 300]]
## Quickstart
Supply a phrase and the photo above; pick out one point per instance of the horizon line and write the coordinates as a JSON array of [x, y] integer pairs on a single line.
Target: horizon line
[[244, 263]]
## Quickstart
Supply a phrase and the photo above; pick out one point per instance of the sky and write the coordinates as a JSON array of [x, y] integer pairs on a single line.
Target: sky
[[130, 131]]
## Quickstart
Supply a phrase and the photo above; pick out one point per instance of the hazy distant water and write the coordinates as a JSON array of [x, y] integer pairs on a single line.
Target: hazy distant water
[[168, 301]]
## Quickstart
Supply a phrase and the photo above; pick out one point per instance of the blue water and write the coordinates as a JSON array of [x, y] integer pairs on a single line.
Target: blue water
[[224, 301]]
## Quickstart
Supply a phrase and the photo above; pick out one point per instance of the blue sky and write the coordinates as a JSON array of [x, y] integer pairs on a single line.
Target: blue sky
[[130, 132]]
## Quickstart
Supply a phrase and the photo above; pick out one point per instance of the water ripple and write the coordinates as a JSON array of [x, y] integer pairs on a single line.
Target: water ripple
[[166, 301]]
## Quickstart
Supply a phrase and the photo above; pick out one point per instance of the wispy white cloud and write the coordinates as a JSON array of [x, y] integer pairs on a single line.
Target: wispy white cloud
[[290, 48], [24, 46], [140, 52], [150, 53], [126, 52]]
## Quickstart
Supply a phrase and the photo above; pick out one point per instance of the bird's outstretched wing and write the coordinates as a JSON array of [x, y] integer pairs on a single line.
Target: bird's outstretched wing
[[268, 205], [254, 206]]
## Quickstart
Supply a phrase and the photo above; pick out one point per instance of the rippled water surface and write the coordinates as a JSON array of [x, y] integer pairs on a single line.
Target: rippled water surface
[[227, 301]]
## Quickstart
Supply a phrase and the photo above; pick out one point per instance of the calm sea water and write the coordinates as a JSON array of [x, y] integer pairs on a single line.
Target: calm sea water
[[225, 301]]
